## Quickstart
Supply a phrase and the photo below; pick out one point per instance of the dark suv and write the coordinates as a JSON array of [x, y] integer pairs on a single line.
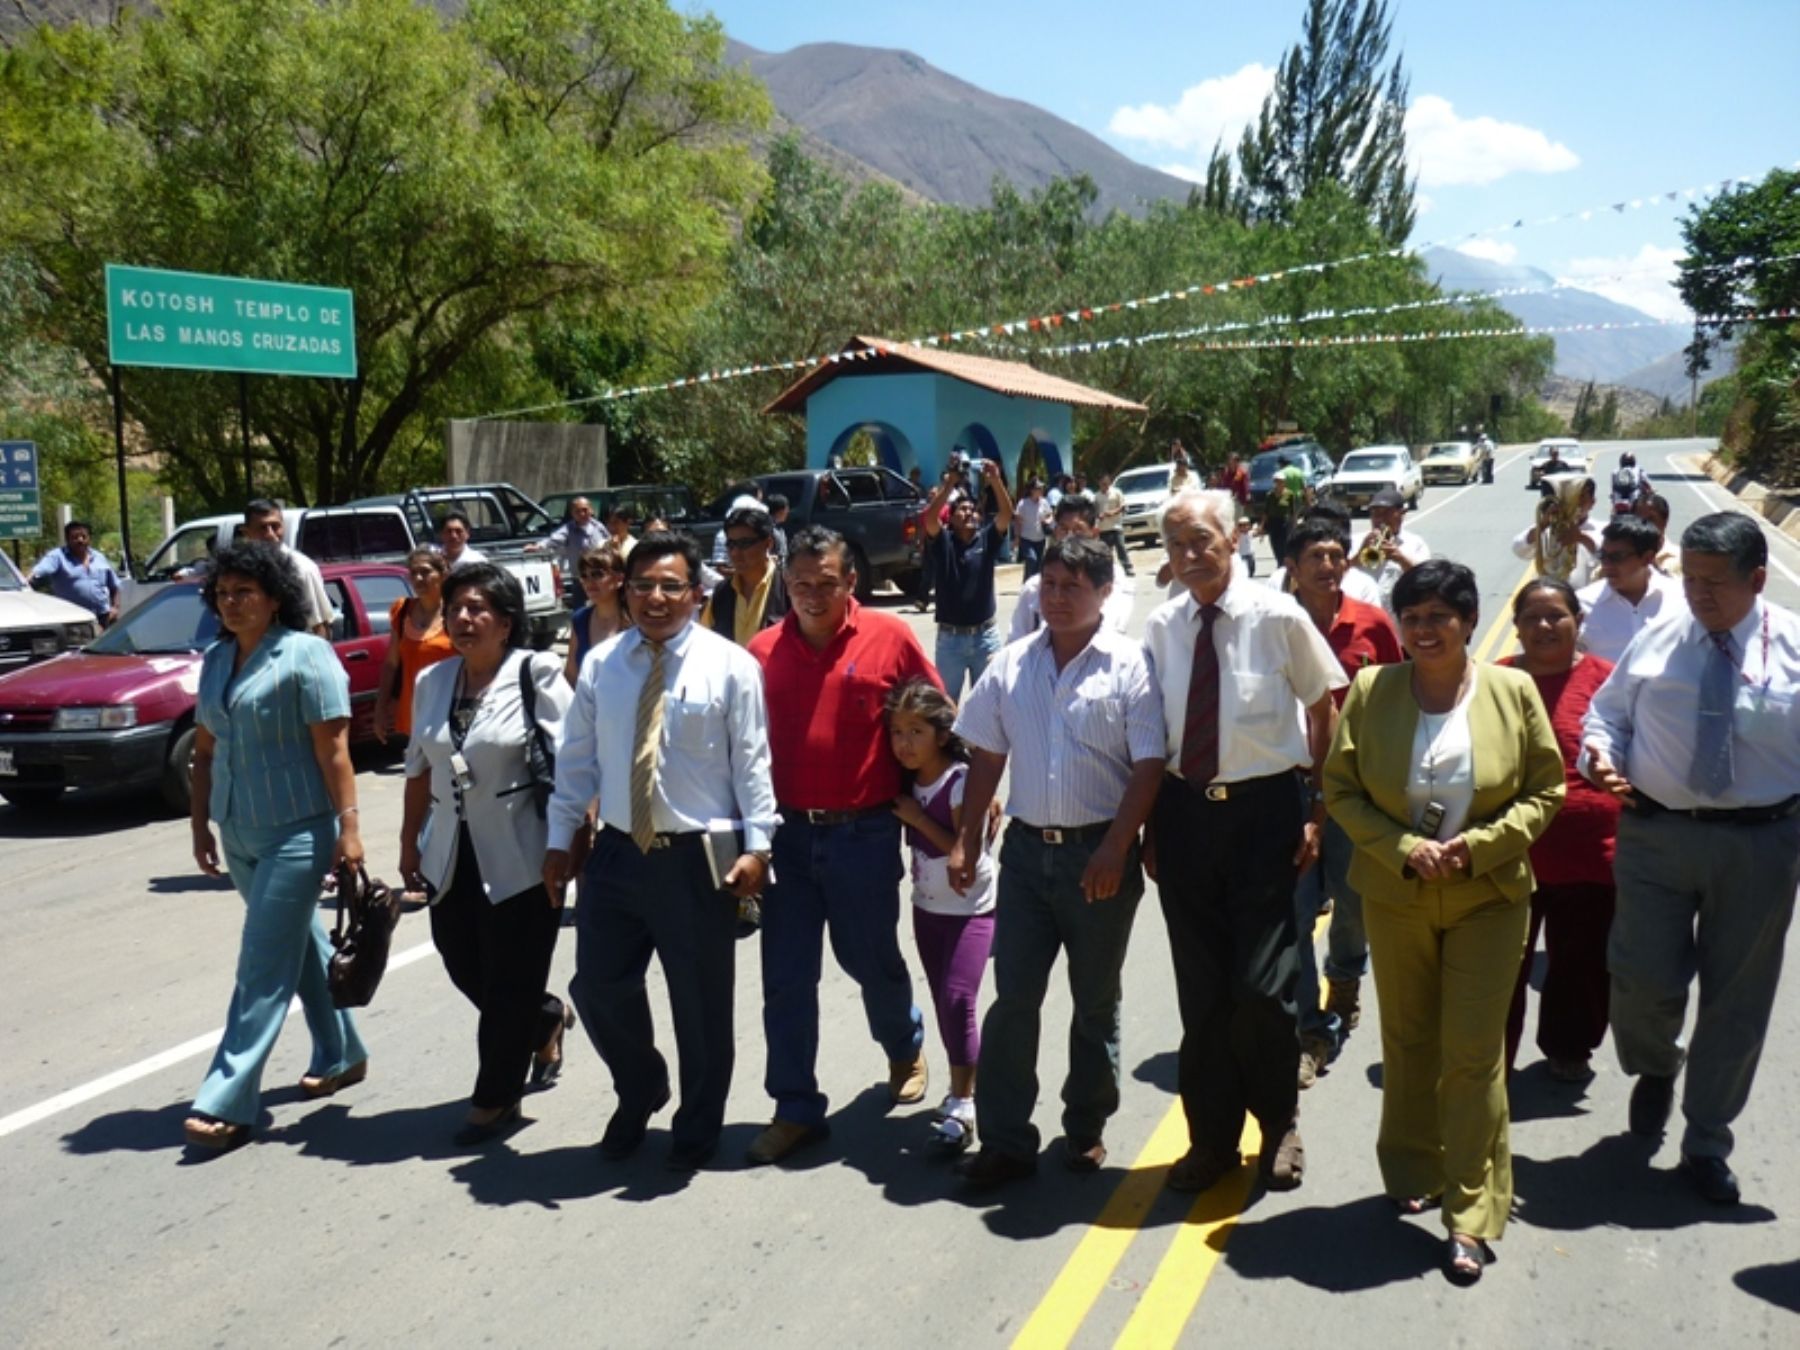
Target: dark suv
[[1312, 458]]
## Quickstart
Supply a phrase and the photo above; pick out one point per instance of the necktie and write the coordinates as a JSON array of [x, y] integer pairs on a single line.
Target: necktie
[[1200, 733], [645, 742], [1712, 769]]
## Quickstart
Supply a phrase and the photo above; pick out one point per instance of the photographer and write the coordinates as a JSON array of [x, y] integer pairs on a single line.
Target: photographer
[[962, 560]]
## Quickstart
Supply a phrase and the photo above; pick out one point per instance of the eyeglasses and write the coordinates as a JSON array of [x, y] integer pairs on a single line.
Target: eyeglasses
[[739, 545], [672, 590]]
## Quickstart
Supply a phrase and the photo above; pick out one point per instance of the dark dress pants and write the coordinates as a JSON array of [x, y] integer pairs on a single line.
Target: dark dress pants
[[498, 956], [634, 904], [1572, 1009], [1225, 871]]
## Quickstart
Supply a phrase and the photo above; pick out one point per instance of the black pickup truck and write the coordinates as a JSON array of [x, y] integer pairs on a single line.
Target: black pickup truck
[[876, 510]]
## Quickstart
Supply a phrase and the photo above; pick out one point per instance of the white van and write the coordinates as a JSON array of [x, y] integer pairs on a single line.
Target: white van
[[36, 627]]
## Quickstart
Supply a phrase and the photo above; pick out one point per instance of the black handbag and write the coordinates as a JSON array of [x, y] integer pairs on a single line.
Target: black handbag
[[540, 754], [361, 937]]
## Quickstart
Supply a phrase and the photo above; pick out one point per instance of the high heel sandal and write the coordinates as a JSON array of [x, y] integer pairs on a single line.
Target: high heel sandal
[[544, 1070], [213, 1134], [317, 1085]]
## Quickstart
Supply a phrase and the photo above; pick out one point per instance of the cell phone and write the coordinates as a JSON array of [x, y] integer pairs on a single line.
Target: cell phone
[[1432, 821], [459, 772]]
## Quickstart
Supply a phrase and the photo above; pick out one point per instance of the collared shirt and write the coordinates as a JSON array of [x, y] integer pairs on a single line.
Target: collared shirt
[[1390, 571], [713, 759], [963, 575], [1115, 610], [1361, 635], [1645, 716], [572, 540], [1585, 568], [90, 583], [1357, 584], [1273, 663], [747, 618], [320, 612], [827, 709], [1111, 507], [1030, 513], [1072, 734], [469, 554], [264, 772], [1609, 621]]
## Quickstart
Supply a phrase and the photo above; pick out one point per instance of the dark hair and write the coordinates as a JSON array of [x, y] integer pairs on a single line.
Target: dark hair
[[932, 706], [624, 511], [1078, 504], [75, 525], [1730, 534], [1554, 584], [268, 568], [744, 487], [815, 541], [660, 544], [1328, 511], [461, 517], [1079, 553], [502, 590], [1657, 503], [752, 518], [258, 507], [1316, 530], [1440, 579], [427, 554], [777, 502], [1636, 533]]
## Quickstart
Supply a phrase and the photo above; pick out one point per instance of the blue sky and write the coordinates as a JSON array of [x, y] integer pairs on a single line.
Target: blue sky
[[1519, 109]]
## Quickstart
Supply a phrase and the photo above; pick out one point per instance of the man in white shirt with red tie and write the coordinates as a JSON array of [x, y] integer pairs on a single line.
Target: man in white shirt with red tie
[[1246, 681], [1697, 732]]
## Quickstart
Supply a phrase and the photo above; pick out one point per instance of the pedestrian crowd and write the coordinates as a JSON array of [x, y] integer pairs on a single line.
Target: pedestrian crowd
[[767, 747]]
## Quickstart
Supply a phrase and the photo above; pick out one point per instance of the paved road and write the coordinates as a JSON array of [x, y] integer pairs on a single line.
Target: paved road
[[355, 1222]]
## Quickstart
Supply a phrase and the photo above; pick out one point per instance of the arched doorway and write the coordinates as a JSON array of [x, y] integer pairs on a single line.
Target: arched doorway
[[977, 442], [1038, 458], [873, 443]]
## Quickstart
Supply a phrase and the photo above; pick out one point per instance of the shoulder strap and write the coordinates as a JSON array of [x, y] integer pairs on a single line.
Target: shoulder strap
[[528, 693]]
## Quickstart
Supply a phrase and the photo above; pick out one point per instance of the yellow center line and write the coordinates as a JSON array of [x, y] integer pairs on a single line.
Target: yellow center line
[[1502, 626]]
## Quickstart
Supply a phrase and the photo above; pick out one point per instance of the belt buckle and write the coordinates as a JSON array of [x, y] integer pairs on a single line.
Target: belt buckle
[[1217, 792], [817, 817], [1053, 836], [662, 841]]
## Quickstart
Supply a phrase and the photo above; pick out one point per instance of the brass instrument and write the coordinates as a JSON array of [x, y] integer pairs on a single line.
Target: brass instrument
[[1373, 554], [1559, 516]]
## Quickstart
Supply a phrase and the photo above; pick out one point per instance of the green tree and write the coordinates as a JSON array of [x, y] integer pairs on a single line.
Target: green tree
[[550, 161]]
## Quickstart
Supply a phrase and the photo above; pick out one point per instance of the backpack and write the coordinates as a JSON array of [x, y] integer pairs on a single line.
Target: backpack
[[1624, 483]]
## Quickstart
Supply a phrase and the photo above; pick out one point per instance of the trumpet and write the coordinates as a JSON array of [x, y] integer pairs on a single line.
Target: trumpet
[[1374, 552]]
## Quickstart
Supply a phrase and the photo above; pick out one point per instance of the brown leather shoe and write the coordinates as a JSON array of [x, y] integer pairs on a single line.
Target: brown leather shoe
[[324, 1085], [780, 1138], [908, 1079], [1283, 1161], [1315, 1054], [991, 1167], [1199, 1171], [1345, 1001], [1084, 1155]]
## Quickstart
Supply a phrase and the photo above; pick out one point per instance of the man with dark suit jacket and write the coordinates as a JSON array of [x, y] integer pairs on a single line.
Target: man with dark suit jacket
[[753, 597]]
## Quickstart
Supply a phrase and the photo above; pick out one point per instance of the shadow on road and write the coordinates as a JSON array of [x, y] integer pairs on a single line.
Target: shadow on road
[[1613, 1185], [133, 1131], [1162, 1070], [1344, 1249], [82, 815], [1534, 1095], [1777, 1284], [183, 884]]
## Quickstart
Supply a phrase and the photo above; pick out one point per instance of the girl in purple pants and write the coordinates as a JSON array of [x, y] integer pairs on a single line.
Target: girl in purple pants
[[954, 932]]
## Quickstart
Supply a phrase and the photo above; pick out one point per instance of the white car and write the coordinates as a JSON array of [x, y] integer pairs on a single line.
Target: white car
[[36, 627], [1371, 469], [1145, 490], [1565, 451]]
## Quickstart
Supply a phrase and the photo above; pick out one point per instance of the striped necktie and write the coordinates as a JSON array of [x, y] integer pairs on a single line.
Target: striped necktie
[[1200, 732], [1712, 770], [645, 742]]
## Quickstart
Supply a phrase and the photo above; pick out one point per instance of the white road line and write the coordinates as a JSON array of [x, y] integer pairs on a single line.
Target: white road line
[[156, 1063], [1466, 487], [1733, 504]]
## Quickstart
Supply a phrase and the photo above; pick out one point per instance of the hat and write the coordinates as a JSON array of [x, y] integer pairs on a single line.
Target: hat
[[1388, 497]]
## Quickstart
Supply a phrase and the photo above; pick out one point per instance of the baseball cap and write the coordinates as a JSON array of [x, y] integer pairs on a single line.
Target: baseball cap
[[1388, 497]]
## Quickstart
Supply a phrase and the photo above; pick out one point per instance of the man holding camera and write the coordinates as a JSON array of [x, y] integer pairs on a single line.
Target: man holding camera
[[962, 560]]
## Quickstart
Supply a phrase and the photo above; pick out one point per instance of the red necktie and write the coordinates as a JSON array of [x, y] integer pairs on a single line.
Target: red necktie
[[1200, 733]]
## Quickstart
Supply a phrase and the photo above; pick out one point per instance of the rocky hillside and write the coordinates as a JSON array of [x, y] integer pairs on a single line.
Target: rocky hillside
[[1560, 392]]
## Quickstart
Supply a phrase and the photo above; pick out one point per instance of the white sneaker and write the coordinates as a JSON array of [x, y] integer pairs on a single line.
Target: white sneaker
[[956, 1129], [943, 1108]]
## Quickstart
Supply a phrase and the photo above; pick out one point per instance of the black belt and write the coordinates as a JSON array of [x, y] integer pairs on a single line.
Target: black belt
[[965, 629], [1230, 792], [834, 817], [665, 839], [1065, 834], [1738, 815]]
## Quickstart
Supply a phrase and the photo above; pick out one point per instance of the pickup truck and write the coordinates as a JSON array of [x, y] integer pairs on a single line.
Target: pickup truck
[[502, 521], [876, 510], [674, 502]]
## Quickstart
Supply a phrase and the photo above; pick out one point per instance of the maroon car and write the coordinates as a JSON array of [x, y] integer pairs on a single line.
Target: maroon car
[[120, 711]]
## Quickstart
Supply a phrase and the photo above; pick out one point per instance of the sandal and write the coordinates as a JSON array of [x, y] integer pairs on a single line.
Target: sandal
[[213, 1134], [1465, 1258], [324, 1085], [1415, 1204], [544, 1068]]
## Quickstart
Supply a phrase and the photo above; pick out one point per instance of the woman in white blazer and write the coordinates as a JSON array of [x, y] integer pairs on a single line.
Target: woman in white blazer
[[474, 836]]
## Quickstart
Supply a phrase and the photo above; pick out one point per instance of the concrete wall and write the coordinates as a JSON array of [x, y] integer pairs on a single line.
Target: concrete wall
[[535, 457]]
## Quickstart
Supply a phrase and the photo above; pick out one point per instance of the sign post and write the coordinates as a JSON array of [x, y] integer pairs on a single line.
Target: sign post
[[21, 500]]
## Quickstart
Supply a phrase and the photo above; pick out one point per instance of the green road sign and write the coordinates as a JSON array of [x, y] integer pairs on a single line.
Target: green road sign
[[191, 321], [21, 512]]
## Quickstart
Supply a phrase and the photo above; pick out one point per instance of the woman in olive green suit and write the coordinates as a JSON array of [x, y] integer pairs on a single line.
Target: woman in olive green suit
[[1443, 772]]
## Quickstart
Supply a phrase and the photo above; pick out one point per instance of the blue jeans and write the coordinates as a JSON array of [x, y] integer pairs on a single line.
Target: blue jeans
[[1041, 912], [1347, 946], [960, 654], [1031, 553], [845, 878], [283, 950]]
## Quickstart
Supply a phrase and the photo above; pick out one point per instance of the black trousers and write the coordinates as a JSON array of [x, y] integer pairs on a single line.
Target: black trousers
[[498, 956], [1115, 540], [1226, 875], [663, 902]]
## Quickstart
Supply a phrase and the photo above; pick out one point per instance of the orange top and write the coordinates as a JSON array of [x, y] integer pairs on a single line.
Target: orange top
[[419, 647]]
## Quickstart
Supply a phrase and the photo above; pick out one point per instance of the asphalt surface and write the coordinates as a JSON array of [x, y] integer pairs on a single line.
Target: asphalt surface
[[354, 1221]]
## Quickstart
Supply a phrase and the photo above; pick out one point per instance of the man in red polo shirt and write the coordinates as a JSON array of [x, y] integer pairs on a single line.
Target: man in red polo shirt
[[827, 670], [1359, 634]]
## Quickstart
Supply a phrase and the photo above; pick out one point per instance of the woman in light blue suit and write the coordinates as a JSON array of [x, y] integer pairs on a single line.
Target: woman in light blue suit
[[272, 769]]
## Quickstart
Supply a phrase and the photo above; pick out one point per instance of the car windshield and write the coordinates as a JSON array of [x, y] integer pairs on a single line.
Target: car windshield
[[1561, 451], [172, 620], [1263, 467], [1369, 463], [1155, 479], [1445, 452]]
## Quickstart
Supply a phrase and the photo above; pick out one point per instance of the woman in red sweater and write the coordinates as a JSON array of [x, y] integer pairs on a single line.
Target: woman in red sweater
[[1573, 903]]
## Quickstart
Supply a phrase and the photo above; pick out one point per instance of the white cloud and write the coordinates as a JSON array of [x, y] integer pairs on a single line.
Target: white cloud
[[1206, 113], [1185, 171], [1644, 280], [1423, 203], [1450, 151], [1492, 250]]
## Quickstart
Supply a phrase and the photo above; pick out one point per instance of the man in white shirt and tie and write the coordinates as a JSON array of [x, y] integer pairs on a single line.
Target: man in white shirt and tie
[[1074, 709], [1246, 681], [1631, 594], [1697, 732], [695, 752]]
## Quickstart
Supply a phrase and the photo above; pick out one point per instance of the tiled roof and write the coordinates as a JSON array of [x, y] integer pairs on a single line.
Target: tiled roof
[[877, 356]]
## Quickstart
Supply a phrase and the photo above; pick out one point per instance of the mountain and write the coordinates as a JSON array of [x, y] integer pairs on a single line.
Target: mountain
[[940, 136], [1606, 357], [1668, 377]]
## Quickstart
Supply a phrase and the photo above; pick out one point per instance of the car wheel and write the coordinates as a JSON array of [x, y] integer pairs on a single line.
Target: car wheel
[[177, 786], [33, 799], [865, 575]]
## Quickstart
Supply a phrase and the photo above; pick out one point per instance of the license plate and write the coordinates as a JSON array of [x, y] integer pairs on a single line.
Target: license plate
[[535, 578], [7, 768]]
